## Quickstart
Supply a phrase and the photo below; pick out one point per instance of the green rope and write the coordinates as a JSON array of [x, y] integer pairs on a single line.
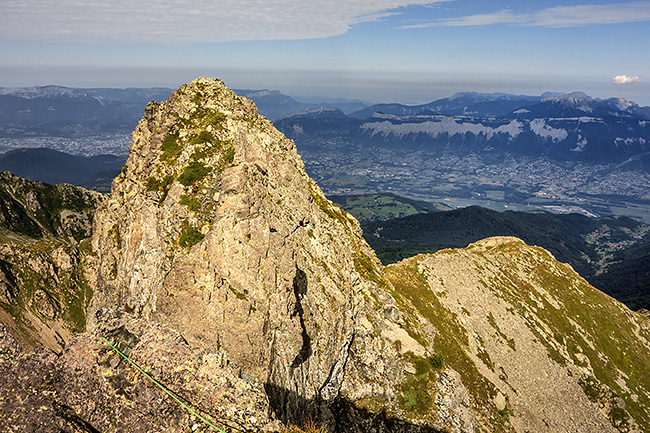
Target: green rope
[[162, 387]]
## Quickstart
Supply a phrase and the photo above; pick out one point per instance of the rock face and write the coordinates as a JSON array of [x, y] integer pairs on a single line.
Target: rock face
[[91, 388], [538, 348], [214, 229], [37, 210], [43, 287]]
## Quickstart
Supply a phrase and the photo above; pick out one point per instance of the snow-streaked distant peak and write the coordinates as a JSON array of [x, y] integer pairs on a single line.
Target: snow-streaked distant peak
[[539, 127], [580, 145], [484, 96], [623, 104], [264, 92], [466, 94], [573, 97], [315, 110]]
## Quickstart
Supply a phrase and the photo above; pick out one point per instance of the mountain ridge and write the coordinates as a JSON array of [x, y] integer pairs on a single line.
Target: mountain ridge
[[53, 167], [590, 245], [502, 104], [592, 132], [510, 310], [215, 245], [44, 289]]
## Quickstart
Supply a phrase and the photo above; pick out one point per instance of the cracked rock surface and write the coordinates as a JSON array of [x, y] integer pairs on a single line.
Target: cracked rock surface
[[91, 388]]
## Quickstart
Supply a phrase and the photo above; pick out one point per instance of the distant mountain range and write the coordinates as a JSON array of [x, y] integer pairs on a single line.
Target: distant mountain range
[[68, 112], [572, 127], [275, 105], [463, 103], [506, 105], [74, 112], [53, 167]]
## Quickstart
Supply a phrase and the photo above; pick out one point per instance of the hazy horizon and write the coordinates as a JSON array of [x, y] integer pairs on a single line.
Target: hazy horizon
[[404, 92], [408, 51]]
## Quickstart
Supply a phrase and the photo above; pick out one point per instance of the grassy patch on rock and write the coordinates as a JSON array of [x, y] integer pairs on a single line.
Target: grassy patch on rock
[[417, 391], [194, 172], [189, 236], [171, 148], [192, 203], [160, 185]]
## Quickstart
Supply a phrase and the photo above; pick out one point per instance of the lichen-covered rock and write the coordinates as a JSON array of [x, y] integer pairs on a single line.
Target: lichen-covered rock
[[215, 229], [92, 388], [26, 392]]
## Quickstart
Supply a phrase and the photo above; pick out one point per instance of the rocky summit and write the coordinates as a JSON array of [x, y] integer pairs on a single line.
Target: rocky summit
[[214, 229], [227, 289]]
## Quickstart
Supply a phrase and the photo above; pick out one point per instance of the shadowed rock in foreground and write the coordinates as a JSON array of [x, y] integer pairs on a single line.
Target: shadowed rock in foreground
[[91, 388]]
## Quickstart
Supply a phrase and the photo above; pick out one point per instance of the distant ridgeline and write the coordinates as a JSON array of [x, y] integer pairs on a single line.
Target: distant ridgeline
[[612, 253], [58, 111], [51, 166], [573, 127]]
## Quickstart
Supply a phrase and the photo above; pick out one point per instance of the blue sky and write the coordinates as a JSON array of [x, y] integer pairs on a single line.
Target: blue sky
[[376, 50]]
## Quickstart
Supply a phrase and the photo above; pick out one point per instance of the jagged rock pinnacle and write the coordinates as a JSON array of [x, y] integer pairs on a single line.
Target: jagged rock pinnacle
[[215, 229]]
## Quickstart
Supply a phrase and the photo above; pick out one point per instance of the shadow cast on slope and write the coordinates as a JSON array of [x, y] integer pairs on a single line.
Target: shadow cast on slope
[[340, 415]]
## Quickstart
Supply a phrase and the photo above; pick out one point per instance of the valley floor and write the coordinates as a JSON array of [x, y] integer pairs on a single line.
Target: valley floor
[[510, 184]]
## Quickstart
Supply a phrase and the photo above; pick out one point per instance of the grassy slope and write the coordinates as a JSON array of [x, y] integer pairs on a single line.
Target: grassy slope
[[42, 257], [588, 322], [381, 207], [594, 247]]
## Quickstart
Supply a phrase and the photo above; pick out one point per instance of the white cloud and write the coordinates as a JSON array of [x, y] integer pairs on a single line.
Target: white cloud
[[504, 16], [560, 16], [186, 21], [624, 79]]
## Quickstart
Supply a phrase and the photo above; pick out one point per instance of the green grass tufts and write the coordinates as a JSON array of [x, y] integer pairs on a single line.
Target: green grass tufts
[[191, 203], [194, 172], [171, 148], [160, 185], [190, 235], [229, 155], [203, 137]]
